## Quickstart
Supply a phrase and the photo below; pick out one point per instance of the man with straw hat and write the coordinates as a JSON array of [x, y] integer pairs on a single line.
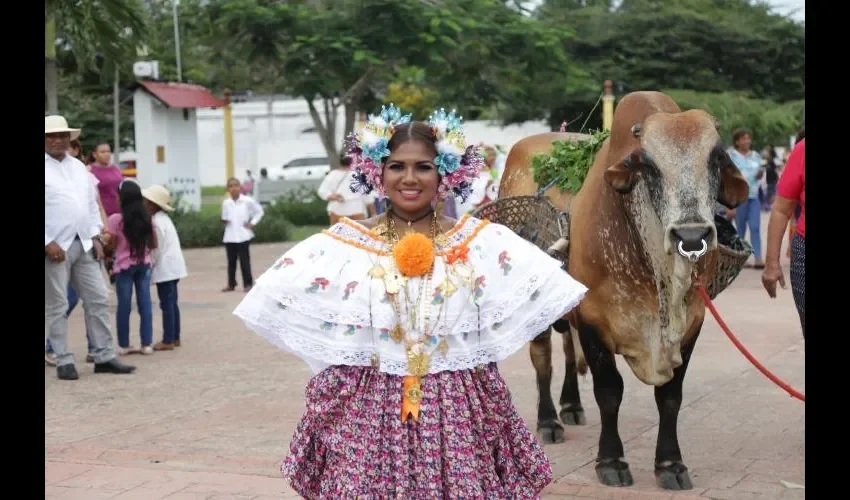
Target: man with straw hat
[[72, 252], [168, 265]]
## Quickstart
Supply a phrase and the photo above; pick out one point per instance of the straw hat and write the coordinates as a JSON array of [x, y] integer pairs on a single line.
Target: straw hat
[[159, 196], [54, 124]]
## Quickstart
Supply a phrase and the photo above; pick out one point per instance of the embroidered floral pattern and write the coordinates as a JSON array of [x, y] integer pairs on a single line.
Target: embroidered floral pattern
[[438, 297], [478, 287], [352, 329], [385, 334], [457, 254], [327, 326], [317, 284], [283, 263], [505, 262], [349, 289], [469, 442]]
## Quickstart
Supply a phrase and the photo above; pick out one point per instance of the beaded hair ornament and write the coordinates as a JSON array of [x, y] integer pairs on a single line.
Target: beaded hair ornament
[[457, 163]]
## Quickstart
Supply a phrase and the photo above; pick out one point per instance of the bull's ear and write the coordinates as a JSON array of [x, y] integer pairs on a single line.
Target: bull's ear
[[733, 189], [622, 176]]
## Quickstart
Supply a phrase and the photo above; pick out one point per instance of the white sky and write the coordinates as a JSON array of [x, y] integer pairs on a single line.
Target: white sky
[[781, 6], [786, 6]]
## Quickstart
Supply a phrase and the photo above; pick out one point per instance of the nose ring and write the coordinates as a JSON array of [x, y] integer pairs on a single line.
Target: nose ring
[[693, 255]]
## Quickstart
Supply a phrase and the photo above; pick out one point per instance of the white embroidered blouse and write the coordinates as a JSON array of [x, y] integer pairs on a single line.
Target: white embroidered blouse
[[323, 301]]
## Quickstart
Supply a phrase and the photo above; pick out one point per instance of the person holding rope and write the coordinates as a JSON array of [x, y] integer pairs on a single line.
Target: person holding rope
[[402, 318], [790, 192]]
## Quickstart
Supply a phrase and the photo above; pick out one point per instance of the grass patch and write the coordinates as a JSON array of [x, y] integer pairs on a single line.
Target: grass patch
[[213, 190], [300, 233]]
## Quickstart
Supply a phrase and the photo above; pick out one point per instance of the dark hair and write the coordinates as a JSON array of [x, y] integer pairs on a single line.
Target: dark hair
[[738, 133], [232, 180], [413, 131], [79, 147], [136, 220], [800, 135], [345, 161], [264, 172], [99, 144]]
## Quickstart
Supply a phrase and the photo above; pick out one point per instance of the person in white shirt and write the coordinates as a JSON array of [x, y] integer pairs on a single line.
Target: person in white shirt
[[240, 213], [168, 266], [72, 253], [342, 202]]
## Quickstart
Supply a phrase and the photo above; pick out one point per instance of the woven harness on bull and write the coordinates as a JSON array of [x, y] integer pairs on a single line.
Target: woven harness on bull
[[537, 220]]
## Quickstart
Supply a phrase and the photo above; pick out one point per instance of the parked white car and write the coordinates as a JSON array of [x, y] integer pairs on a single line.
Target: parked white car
[[302, 169]]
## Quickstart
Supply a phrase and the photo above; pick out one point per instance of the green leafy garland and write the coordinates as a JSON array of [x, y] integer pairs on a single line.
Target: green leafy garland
[[568, 163]]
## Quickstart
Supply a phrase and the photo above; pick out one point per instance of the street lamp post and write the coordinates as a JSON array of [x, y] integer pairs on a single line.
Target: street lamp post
[[174, 4]]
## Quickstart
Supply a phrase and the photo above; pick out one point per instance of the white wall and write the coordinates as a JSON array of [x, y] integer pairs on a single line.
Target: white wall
[[259, 143], [157, 125]]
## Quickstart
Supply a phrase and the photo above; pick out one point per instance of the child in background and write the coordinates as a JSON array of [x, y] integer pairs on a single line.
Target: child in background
[[167, 265], [133, 237], [239, 213]]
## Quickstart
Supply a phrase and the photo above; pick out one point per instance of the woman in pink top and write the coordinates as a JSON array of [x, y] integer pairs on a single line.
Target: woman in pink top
[[109, 176], [134, 237], [790, 192]]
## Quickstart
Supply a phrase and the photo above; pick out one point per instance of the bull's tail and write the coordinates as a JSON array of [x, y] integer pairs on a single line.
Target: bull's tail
[[581, 362]]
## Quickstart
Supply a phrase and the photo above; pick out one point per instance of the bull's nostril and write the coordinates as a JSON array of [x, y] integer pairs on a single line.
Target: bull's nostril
[[691, 237]]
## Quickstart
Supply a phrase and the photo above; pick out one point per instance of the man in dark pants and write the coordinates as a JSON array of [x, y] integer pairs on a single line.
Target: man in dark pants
[[239, 213]]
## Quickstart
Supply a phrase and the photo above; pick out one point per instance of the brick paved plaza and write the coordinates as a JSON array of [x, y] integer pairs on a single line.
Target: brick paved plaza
[[213, 419]]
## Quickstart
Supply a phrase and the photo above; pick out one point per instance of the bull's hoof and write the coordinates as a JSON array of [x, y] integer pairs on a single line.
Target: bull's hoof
[[550, 432], [573, 416], [614, 472], [673, 476]]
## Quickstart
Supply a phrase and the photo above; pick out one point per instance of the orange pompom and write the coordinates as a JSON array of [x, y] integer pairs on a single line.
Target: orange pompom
[[414, 254]]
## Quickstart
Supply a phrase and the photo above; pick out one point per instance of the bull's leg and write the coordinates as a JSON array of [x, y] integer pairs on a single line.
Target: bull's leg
[[572, 412], [549, 430], [611, 466], [670, 472]]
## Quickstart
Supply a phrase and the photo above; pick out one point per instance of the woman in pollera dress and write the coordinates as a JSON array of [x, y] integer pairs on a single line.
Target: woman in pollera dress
[[403, 318]]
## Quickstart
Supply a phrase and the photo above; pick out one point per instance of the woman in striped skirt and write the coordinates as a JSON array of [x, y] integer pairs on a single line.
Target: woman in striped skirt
[[790, 193]]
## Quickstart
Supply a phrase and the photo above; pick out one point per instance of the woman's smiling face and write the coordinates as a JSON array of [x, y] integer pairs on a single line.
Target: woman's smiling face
[[410, 177]]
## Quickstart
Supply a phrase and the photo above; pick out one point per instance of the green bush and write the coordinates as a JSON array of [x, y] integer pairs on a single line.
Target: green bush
[[302, 207], [205, 229]]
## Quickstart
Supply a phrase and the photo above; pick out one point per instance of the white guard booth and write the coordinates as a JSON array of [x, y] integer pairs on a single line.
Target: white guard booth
[[167, 137]]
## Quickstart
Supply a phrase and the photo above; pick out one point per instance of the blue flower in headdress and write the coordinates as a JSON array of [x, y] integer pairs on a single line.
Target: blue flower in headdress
[[377, 152], [393, 115], [447, 163], [445, 122]]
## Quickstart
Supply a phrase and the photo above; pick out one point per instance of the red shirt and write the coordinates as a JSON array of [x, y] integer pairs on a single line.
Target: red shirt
[[792, 184]]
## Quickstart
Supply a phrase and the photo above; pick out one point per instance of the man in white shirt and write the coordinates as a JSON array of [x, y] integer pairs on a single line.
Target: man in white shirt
[[240, 213], [72, 253]]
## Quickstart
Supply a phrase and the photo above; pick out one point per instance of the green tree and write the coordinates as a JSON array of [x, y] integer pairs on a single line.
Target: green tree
[[99, 33], [700, 45], [767, 121], [346, 54]]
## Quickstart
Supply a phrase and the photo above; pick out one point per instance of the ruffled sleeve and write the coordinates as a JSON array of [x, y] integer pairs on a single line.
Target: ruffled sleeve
[[326, 299]]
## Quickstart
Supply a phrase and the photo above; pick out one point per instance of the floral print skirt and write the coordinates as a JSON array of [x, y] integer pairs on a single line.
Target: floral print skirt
[[469, 442]]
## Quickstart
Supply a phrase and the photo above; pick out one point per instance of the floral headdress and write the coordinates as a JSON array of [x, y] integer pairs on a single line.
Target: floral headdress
[[456, 163]]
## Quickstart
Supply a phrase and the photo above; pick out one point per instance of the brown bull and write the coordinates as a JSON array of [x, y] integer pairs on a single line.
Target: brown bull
[[647, 202]]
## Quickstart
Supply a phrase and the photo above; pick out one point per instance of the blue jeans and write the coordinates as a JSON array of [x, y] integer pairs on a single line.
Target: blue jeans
[[138, 276], [749, 215], [168, 303], [73, 300]]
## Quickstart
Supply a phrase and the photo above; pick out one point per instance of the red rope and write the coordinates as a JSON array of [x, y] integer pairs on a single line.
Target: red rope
[[776, 380]]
